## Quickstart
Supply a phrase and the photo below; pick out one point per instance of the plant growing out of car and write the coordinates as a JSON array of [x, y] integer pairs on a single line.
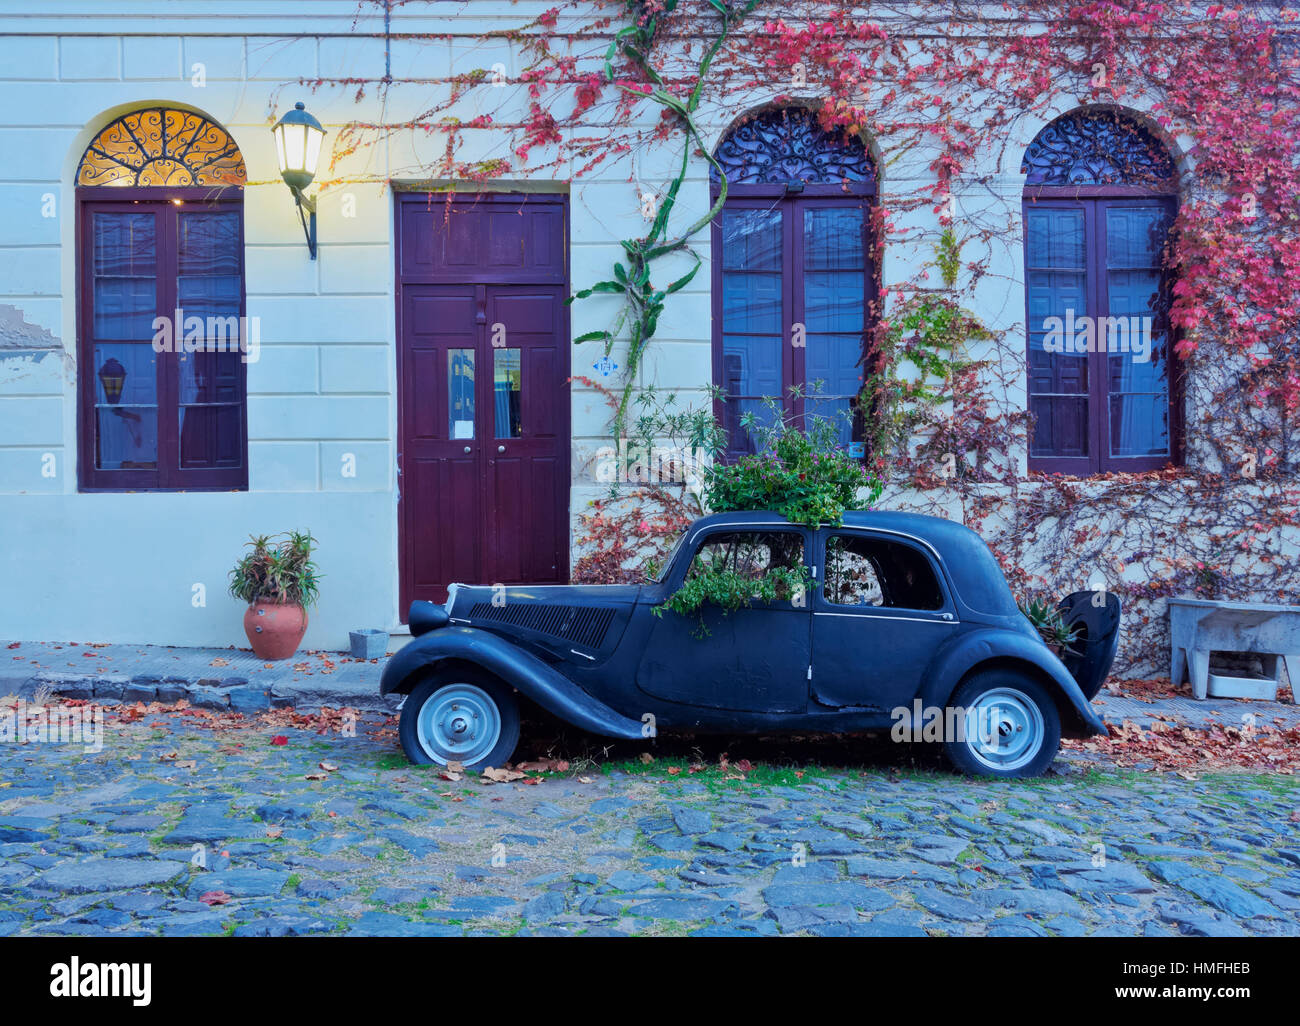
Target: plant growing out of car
[[1047, 620], [804, 473], [278, 569], [731, 589]]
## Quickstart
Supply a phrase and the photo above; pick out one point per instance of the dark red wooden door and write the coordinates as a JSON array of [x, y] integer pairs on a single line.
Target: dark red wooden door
[[483, 394]]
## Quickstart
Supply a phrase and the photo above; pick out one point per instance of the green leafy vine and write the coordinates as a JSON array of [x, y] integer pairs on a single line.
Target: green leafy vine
[[643, 303]]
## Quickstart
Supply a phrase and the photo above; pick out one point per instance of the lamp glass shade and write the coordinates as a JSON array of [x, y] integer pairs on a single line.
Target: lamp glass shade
[[298, 138]]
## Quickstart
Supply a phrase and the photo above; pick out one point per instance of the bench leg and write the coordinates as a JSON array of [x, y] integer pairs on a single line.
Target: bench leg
[[1200, 667], [1293, 674], [1177, 665]]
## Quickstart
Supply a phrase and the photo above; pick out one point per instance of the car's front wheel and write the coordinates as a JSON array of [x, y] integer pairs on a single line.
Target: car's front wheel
[[463, 717], [1002, 723]]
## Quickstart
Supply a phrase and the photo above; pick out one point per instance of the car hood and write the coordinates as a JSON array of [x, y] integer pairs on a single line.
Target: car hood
[[568, 619]]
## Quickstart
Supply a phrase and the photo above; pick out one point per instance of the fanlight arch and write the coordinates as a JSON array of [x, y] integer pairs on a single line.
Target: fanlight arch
[[162, 146], [788, 144], [1098, 147]]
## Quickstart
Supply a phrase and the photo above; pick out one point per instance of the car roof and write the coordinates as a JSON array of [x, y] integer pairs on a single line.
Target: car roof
[[942, 534]]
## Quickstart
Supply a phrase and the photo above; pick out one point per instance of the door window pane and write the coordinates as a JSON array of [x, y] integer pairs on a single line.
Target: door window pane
[[862, 570], [124, 273], [211, 410], [208, 281], [1135, 236], [1057, 283], [748, 553], [460, 393], [506, 391], [751, 365], [751, 302], [835, 312], [1135, 346], [753, 318], [751, 240], [126, 407]]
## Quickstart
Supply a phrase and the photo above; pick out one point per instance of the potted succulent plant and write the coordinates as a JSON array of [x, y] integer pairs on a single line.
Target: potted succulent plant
[[1049, 623], [278, 580]]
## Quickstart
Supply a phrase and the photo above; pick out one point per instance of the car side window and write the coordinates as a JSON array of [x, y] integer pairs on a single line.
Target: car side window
[[749, 553], [863, 570]]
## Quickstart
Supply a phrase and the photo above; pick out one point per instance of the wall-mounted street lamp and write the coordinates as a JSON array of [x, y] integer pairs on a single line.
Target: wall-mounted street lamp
[[298, 137]]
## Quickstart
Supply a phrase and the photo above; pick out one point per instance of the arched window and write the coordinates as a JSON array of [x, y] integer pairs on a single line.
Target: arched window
[[1100, 197], [163, 337], [793, 278]]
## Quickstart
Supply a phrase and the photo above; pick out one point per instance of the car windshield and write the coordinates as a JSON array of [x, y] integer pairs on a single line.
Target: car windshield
[[659, 572]]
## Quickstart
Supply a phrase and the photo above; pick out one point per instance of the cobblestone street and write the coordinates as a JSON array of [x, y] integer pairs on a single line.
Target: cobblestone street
[[181, 828]]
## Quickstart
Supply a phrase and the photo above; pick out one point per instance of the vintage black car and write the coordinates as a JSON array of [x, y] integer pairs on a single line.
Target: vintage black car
[[907, 625]]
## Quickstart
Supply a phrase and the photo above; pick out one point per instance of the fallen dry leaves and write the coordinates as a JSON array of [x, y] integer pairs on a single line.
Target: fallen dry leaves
[[327, 720], [492, 775], [1171, 747]]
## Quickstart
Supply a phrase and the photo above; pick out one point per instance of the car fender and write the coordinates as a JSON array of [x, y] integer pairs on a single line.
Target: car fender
[[521, 669], [968, 651]]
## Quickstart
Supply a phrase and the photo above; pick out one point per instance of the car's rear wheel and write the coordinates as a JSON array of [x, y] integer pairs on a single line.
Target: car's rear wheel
[[1006, 725], [460, 717]]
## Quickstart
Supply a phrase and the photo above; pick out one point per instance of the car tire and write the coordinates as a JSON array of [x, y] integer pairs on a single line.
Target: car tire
[[1019, 709], [461, 716]]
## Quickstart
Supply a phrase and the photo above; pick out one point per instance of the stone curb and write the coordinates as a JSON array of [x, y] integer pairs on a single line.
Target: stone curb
[[234, 694]]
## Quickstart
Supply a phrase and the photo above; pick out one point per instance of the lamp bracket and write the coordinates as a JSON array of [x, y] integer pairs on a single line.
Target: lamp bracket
[[307, 214]]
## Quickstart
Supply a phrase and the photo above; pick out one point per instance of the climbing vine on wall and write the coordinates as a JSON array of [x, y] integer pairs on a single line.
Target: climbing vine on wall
[[937, 85]]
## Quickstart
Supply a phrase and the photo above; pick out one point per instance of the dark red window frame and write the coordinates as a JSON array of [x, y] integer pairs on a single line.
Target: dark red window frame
[[169, 475], [782, 158], [792, 202], [1094, 201]]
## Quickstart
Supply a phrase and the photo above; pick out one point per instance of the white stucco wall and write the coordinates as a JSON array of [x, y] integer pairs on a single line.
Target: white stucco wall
[[124, 567]]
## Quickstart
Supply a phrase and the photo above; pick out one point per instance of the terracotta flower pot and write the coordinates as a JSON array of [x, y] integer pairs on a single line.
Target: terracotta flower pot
[[274, 629]]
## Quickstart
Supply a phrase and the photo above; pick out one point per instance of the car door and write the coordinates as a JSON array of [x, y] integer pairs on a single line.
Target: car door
[[881, 611], [752, 659]]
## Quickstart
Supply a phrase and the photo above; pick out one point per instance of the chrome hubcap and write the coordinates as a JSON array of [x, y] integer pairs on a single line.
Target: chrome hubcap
[[458, 723], [1004, 729]]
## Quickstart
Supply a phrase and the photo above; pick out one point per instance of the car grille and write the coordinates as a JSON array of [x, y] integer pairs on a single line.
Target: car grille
[[581, 625]]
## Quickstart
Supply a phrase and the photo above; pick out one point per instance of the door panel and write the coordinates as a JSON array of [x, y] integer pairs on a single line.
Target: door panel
[[441, 491], [752, 659], [879, 615], [483, 394], [523, 447]]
